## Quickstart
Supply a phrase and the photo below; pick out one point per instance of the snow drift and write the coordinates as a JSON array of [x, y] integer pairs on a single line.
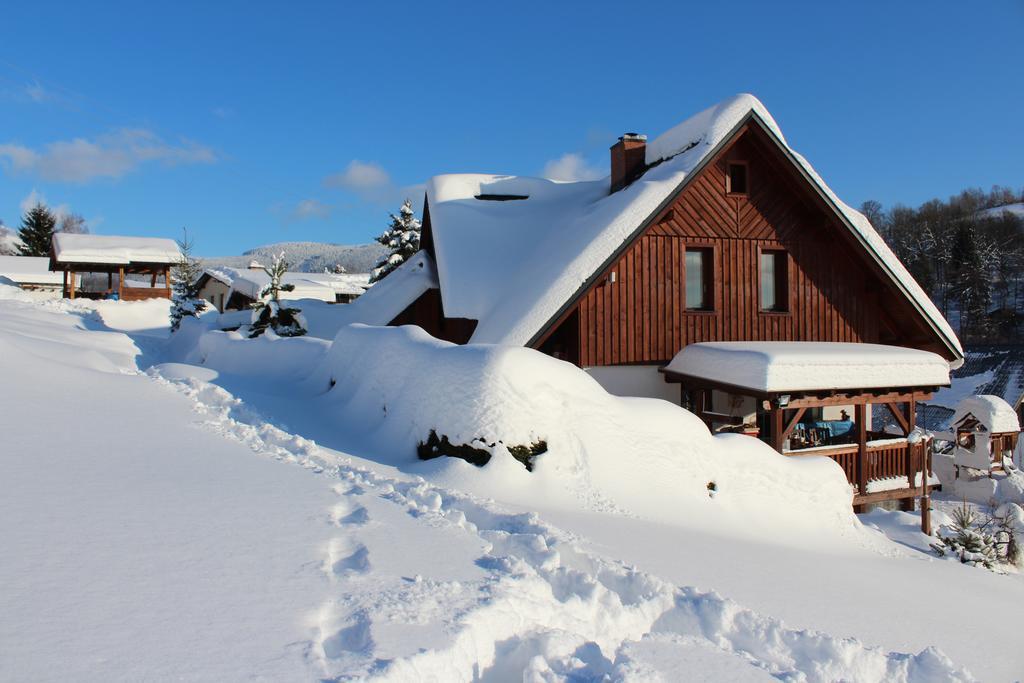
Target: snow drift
[[647, 456]]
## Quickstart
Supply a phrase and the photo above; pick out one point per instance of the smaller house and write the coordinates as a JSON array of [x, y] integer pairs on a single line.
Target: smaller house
[[148, 259], [31, 273], [235, 289], [984, 431]]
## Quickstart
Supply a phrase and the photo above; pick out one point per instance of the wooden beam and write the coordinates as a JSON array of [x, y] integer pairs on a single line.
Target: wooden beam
[[71, 290], [777, 429], [110, 281], [120, 282], [879, 496], [898, 415], [64, 293], [860, 399], [926, 510], [862, 452], [791, 425]]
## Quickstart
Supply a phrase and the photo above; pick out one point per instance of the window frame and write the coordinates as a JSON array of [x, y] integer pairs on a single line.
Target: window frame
[[728, 178], [707, 280], [783, 304]]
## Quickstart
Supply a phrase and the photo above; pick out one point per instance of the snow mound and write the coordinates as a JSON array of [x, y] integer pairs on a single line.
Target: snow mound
[[646, 456]]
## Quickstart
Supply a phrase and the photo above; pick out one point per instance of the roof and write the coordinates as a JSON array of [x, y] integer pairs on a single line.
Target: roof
[[72, 248], [804, 366], [251, 281], [992, 412], [561, 235], [29, 270]]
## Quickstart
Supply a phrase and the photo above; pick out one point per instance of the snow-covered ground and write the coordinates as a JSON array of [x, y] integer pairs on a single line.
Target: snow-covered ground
[[222, 521]]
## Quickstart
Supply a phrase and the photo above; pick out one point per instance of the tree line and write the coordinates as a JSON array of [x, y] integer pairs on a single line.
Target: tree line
[[38, 225], [967, 253]]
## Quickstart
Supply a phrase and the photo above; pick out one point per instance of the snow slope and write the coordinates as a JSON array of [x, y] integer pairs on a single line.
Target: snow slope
[[214, 539]]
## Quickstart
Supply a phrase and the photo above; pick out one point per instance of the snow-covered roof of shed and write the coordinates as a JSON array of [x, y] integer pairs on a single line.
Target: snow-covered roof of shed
[[513, 264], [385, 299], [805, 366], [991, 411], [29, 270], [114, 250], [251, 281]]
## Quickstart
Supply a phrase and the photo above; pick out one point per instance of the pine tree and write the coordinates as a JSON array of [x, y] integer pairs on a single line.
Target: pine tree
[[402, 238], [969, 542], [36, 232], [185, 300], [268, 311]]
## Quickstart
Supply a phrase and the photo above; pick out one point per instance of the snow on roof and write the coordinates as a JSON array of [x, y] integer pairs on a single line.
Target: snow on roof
[[31, 270], [388, 297], [513, 264], [991, 411], [799, 366], [250, 282], [115, 250]]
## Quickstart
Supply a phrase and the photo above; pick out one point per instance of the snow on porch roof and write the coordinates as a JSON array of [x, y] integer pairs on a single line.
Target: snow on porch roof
[[513, 265], [808, 366], [69, 248], [32, 270]]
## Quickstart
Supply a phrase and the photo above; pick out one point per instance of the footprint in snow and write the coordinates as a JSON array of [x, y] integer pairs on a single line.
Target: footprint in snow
[[347, 558], [345, 514], [353, 638]]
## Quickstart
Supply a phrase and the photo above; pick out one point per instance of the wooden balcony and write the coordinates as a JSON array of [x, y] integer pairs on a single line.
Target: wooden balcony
[[890, 469]]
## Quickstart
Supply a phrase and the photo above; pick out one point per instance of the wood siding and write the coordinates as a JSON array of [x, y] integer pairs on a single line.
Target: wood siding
[[834, 292]]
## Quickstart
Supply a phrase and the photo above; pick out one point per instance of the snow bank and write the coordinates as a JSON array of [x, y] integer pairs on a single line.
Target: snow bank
[[991, 411], [269, 356], [396, 385], [793, 366]]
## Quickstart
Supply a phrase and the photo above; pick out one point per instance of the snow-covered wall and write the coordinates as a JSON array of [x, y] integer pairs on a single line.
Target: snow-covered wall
[[635, 380]]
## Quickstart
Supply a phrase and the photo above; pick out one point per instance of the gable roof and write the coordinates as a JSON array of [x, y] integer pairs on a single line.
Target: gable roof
[[516, 265]]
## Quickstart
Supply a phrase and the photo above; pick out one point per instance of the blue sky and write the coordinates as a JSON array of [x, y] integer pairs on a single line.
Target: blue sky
[[252, 123]]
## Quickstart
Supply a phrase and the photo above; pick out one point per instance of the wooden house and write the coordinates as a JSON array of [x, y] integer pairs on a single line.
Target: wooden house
[[148, 259], [236, 289], [715, 232]]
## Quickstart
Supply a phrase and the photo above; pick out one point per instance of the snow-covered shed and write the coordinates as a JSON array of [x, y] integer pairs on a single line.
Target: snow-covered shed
[[984, 430], [31, 272], [123, 256], [236, 288]]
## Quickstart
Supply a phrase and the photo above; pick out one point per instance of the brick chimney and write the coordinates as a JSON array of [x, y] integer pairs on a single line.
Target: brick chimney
[[628, 160]]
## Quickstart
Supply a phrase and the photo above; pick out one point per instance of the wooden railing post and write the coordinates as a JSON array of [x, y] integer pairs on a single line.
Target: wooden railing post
[[860, 411], [926, 466]]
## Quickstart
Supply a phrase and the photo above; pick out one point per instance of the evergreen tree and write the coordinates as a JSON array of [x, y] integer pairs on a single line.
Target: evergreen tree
[[185, 300], [971, 281], [402, 238], [268, 311], [36, 232]]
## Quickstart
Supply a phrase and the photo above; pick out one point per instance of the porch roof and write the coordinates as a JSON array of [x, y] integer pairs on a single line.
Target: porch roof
[[764, 368]]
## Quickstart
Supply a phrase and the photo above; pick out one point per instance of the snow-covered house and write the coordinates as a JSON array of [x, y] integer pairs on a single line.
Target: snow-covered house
[[234, 289], [31, 272], [716, 231], [149, 257]]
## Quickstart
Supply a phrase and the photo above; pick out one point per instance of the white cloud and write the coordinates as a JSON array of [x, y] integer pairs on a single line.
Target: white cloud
[[363, 178], [37, 93], [571, 166], [111, 155], [310, 208], [36, 197]]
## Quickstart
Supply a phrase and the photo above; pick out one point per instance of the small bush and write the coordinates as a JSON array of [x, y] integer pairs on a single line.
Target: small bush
[[435, 446]]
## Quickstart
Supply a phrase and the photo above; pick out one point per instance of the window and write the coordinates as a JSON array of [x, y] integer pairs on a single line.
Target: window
[[736, 178], [774, 281], [699, 264]]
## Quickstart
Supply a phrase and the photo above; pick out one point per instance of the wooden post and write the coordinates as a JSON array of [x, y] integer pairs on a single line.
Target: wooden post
[[777, 428], [110, 280], [167, 280], [152, 281], [120, 283], [907, 504], [860, 411], [64, 293], [926, 511], [71, 290]]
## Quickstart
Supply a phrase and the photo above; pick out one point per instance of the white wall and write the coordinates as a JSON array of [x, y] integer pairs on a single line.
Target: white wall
[[635, 380]]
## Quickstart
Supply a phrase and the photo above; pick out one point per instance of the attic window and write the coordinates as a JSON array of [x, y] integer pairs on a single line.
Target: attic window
[[500, 197], [736, 178]]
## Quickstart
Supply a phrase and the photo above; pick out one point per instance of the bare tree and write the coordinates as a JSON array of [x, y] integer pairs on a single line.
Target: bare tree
[[73, 223]]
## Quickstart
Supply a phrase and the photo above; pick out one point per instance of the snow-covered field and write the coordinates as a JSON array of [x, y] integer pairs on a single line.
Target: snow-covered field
[[223, 509]]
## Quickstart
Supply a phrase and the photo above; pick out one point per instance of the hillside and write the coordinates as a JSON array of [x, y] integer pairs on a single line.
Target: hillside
[[307, 257]]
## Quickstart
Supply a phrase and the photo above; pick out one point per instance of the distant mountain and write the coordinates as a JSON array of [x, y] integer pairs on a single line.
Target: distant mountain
[[307, 257]]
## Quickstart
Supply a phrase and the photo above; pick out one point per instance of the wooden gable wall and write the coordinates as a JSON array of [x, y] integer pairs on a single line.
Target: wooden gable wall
[[835, 293]]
